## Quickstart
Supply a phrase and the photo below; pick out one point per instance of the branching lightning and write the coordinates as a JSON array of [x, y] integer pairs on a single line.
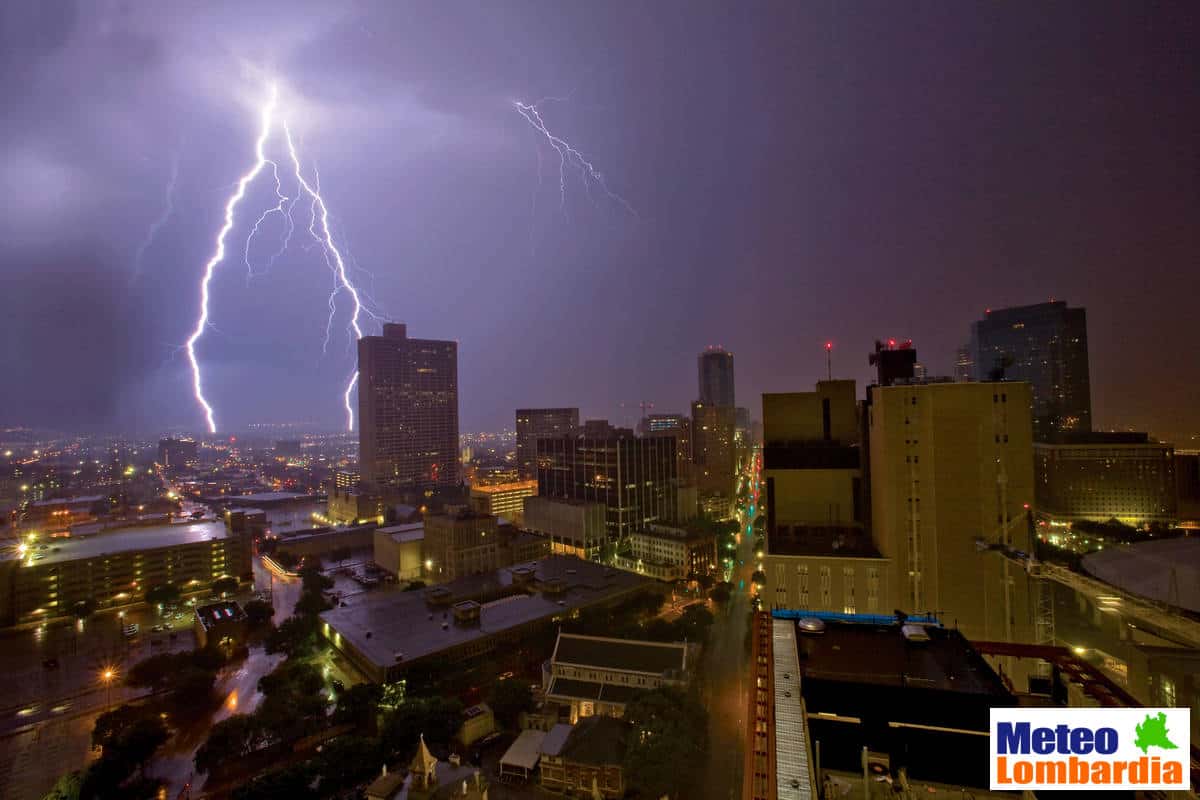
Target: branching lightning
[[319, 228], [160, 220], [568, 157]]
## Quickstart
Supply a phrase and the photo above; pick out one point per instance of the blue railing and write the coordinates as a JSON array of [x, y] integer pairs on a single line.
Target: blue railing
[[863, 619]]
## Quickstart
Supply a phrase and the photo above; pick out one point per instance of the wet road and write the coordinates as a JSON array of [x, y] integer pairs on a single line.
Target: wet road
[[725, 666]]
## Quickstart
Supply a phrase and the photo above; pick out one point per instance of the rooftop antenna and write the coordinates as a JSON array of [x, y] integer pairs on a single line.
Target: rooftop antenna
[[829, 360]]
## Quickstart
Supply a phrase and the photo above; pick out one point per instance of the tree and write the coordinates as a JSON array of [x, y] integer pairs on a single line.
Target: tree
[[438, 718], [311, 604], [508, 699], [694, 622], [705, 581], [313, 580], [296, 636], [291, 677], [286, 559], [258, 613], [359, 706], [225, 585], [414, 585], [66, 787], [721, 592], [124, 755], [155, 672], [758, 578], [112, 725], [669, 736], [346, 761], [164, 594], [293, 783], [83, 609], [229, 740]]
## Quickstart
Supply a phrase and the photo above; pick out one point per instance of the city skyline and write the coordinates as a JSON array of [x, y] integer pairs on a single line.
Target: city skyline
[[998, 184]]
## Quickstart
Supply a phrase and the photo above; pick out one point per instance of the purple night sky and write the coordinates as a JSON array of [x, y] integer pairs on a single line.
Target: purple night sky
[[801, 171]]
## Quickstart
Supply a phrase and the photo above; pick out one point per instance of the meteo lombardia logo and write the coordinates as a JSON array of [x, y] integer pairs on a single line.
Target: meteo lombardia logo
[[1090, 748]]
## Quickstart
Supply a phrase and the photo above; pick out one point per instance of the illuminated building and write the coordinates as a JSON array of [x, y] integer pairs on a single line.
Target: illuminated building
[[535, 423], [1097, 477], [574, 527], [819, 554], [951, 473], [714, 367], [598, 676], [407, 411], [669, 553], [503, 499], [635, 478], [714, 456], [964, 364], [47, 577], [1045, 345], [1187, 485]]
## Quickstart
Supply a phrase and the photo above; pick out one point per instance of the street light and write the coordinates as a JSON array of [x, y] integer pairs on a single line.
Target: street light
[[107, 676]]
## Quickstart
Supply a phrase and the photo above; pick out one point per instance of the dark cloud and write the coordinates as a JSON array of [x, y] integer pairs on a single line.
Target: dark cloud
[[800, 172]]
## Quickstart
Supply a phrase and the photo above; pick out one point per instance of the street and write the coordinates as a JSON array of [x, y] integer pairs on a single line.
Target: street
[[725, 664]]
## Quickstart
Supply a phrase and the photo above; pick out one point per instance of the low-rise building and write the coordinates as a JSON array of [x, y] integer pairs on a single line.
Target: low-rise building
[[48, 577], [398, 549], [591, 755], [574, 527], [825, 568], [1098, 477], [220, 625], [503, 499], [596, 675], [471, 618], [692, 552]]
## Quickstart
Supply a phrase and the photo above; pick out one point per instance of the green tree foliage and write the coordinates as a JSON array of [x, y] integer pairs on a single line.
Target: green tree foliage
[[359, 706], [66, 787], [414, 585], [163, 594], [286, 559], [438, 718], [124, 754], [669, 738], [229, 740], [311, 604], [340, 554], [347, 761], [758, 578], [259, 613], [112, 725], [313, 580], [722, 592], [508, 699], [224, 586], [296, 636], [290, 783]]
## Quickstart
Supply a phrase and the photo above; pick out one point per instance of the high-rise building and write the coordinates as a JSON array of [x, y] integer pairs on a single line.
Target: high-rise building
[[951, 482], [1097, 477], [534, 423], [714, 456], [894, 362], [819, 554], [503, 499], [677, 426], [964, 364], [715, 367], [407, 411], [1046, 346], [635, 478]]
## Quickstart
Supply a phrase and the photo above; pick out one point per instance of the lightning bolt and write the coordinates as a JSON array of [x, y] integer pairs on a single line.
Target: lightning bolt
[[278, 208], [160, 220], [319, 229], [261, 161], [569, 158]]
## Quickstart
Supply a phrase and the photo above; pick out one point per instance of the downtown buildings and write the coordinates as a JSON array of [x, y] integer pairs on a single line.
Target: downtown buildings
[[407, 412], [1045, 345], [538, 423]]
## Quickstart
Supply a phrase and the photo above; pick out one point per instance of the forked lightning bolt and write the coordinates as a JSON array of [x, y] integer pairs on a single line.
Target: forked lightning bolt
[[568, 157], [320, 230]]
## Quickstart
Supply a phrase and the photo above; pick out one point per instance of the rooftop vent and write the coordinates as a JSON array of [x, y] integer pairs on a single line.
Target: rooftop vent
[[811, 625], [917, 634], [466, 612], [438, 596], [554, 586]]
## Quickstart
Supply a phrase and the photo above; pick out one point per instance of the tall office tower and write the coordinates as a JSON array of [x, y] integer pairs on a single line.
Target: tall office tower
[[634, 477], [963, 364], [716, 377], [714, 457], [951, 482], [677, 426], [407, 411], [535, 423], [1045, 345]]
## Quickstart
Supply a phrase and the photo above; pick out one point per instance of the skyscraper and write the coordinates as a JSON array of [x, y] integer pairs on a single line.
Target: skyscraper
[[635, 478], [715, 367], [951, 474], [1046, 345], [407, 411], [713, 454], [677, 426], [535, 423]]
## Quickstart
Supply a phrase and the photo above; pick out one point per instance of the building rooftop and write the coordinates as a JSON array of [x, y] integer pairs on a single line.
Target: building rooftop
[[219, 614], [652, 658], [263, 497], [597, 740], [882, 655], [400, 627], [408, 532], [147, 537], [846, 541], [592, 690], [1167, 570], [496, 488], [69, 501]]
